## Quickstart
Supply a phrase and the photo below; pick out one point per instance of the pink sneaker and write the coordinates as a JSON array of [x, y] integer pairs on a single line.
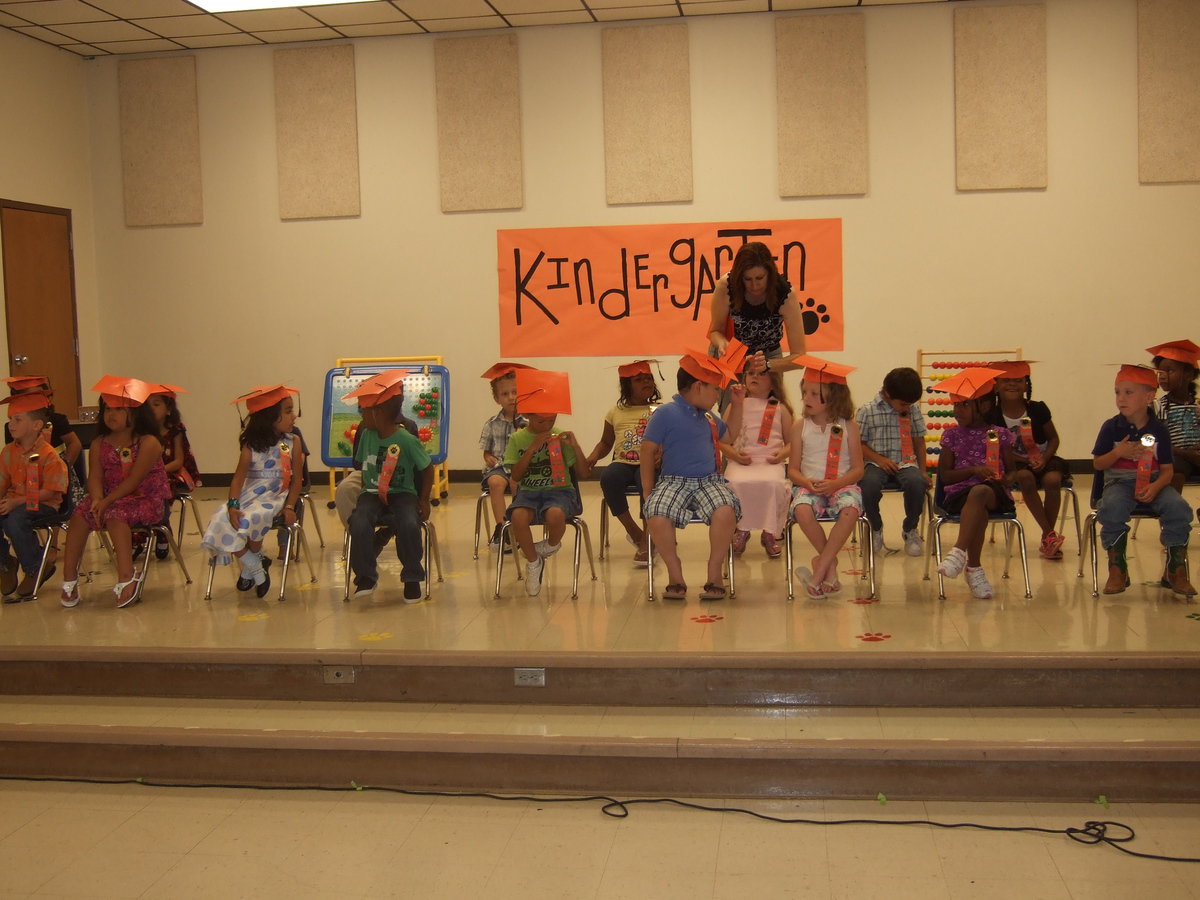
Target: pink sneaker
[[739, 541], [771, 545]]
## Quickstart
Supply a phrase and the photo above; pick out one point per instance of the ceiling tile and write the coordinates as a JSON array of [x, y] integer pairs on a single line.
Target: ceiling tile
[[292, 35], [200, 41], [45, 34], [84, 50], [145, 9], [465, 24], [443, 9], [549, 18], [617, 14], [781, 5], [52, 12], [356, 13], [91, 32], [718, 7], [517, 7], [270, 19], [381, 28], [177, 26], [152, 46], [11, 21]]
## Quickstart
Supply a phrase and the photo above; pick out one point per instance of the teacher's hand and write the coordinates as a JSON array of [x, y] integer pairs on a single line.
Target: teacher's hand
[[756, 364], [720, 344]]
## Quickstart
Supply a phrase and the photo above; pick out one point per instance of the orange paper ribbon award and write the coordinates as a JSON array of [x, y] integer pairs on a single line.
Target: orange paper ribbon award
[[558, 466], [33, 483], [126, 461], [833, 457], [716, 439], [285, 462], [386, 471], [1032, 451], [993, 452], [908, 456], [768, 420], [1145, 465]]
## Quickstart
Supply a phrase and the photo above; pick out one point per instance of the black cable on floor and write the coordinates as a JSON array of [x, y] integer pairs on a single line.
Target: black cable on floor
[[1092, 832]]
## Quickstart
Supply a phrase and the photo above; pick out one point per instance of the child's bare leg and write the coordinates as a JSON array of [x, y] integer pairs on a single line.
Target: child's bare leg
[[496, 486], [1027, 484], [522, 529], [77, 535], [826, 565], [556, 525], [974, 520], [662, 531], [632, 528], [122, 541], [721, 526], [807, 520], [1052, 485]]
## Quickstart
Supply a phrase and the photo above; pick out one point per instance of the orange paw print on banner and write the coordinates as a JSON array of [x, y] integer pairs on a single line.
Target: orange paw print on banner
[[873, 636], [707, 619]]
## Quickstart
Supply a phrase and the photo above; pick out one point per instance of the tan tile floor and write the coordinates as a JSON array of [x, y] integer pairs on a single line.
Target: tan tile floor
[[611, 614]]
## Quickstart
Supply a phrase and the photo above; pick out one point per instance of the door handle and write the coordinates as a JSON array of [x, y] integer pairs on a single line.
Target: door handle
[[20, 360]]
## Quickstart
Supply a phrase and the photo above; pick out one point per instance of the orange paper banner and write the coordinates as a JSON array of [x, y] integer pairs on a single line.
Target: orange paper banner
[[634, 290]]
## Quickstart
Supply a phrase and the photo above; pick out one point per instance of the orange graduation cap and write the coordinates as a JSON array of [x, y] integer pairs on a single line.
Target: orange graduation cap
[[500, 369], [169, 390], [704, 368], [970, 384], [1181, 351], [1013, 368], [637, 367], [379, 388], [543, 393], [22, 403], [28, 383], [118, 391], [822, 371], [1144, 375], [264, 397]]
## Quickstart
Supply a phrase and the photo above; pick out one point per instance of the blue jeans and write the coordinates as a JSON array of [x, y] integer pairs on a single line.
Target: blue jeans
[[401, 515], [17, 528], [909, 480], [1117, 505]]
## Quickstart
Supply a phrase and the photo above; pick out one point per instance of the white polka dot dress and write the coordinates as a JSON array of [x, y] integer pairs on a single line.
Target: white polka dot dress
[[263, 497]]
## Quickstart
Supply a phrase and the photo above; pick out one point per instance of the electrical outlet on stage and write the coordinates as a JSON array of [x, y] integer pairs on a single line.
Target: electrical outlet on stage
[[529, 677]]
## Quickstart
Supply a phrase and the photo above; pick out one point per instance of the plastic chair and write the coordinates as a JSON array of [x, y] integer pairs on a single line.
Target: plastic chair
[[865, 548], [1091, 526], [582, 536], [303, 500], [1008, 519], [694, 520], [428, 534]]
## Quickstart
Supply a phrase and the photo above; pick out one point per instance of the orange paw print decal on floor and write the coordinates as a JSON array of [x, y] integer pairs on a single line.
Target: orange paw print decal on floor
[[873, 636], [863, 601], [704, 620]]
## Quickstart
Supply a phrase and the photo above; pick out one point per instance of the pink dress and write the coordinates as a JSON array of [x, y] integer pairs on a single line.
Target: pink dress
[[762, 487], [145, 506]]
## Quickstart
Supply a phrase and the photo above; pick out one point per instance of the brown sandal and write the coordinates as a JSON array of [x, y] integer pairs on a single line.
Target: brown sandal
[[713, 591], [675, 592]]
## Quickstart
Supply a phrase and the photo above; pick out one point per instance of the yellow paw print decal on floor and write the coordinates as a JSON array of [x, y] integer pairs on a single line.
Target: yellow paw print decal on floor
[[254, 617], [375, 636]]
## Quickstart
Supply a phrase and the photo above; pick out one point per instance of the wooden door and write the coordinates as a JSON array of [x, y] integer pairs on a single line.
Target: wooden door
[[39, 294]]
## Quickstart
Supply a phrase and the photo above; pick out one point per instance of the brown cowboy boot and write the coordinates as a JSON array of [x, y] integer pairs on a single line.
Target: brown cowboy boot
[[1176, 576], [1118, 569]]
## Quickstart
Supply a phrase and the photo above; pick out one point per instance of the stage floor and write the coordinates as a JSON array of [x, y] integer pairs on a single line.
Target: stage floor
[[611, 614]]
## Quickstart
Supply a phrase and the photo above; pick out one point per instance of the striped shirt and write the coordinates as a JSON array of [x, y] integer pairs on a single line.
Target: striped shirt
[[1182, 421], [879, 425]]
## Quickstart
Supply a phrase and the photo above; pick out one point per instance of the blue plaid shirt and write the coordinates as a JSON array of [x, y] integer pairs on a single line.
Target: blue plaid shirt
[[496, 432], [880, 427]]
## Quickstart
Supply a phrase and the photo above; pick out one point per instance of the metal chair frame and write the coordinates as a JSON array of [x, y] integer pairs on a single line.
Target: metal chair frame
[[582, 537], [428, 534], [694, 520], [292, 530], [1008, 519], [866, 549]]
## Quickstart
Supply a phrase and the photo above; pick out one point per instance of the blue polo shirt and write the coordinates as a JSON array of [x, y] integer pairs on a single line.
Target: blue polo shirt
[[1118, 427], [685, 435]]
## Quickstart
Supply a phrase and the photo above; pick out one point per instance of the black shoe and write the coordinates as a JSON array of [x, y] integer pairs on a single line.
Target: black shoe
[[161, 549], [244, 584], [412, 590], [363, 586], [260, 590], [139, 547]]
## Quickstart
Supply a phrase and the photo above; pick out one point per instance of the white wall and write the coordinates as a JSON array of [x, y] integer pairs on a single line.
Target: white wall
[[924, 265]]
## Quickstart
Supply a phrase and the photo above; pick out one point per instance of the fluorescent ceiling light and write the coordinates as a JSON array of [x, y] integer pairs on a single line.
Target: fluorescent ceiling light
[[220, 6]]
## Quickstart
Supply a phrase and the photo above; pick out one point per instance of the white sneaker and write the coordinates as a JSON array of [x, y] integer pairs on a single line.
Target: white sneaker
[[543, 549], [981, 588], [913, 545], [533, 576], [952, 565], [877, 541]]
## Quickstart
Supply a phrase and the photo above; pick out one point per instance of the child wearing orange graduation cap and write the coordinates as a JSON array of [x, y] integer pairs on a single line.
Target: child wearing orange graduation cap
[[493, 441], [826, 465], [33, 486], [1178, 364], [757, 467], [1034, 448], [624, 426], [976, 468], [690, 484], [127, 484], [397, 478], [265, 486], [1133, 451], [62, 436], [541, 459], [180, 464]]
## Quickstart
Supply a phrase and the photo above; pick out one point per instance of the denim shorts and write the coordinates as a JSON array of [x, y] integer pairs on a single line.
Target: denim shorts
[[566, 499]]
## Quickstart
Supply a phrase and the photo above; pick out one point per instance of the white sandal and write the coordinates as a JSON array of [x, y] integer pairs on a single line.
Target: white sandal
[[119, 590], [70, 594]]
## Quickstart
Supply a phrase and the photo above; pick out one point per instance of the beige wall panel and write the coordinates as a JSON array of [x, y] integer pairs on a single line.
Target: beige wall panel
[[1000, 97], [316, 132], [647, 114], [160, 141], [1168, 91], [821, 88], [479, 123]]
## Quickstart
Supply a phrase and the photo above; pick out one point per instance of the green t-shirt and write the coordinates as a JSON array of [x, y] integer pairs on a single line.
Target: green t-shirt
[[537, 476], [373, 449]]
